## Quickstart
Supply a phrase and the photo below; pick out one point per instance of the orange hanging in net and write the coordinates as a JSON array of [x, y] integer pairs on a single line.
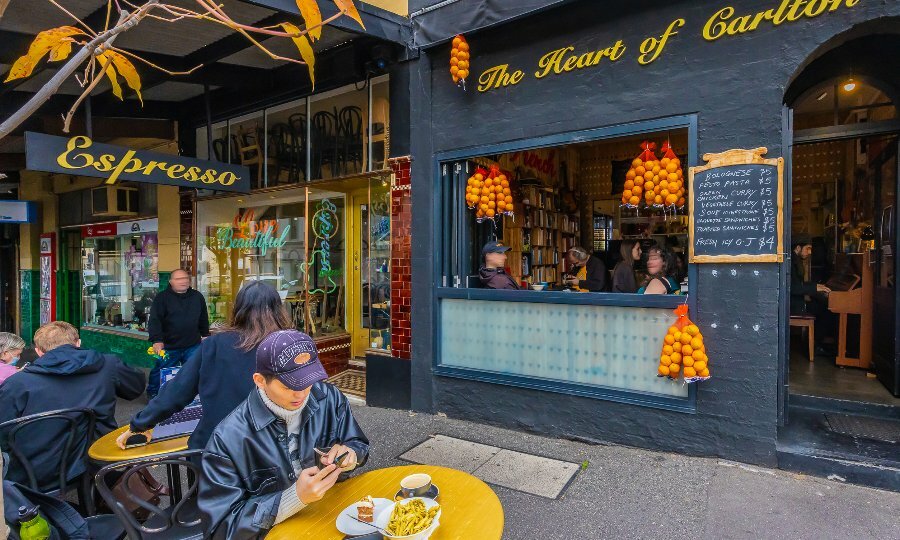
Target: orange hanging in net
[[488, 193], [671, 178], [459, 59], [641, 178], [683, 350]]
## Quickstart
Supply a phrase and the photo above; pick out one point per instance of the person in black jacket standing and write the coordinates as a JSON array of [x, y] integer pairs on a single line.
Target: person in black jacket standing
[[64, 376], [222, 371], [588, 273], [178, 322]]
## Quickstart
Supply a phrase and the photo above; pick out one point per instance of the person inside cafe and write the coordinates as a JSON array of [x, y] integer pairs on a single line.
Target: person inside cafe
[[809, 298], [11, 347], [64, 376], [178, 322], [623, 274], [493, 274], [586, 273], [260, 465], [221, 373], [660, 272]]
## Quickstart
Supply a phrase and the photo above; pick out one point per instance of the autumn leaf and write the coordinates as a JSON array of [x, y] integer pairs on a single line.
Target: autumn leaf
[[128, 72], [106, 65], [348, 9], [56, 41], [309, 10], [305, 48]]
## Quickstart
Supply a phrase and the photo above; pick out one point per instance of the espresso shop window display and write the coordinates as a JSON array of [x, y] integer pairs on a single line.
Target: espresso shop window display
[[574, 196]]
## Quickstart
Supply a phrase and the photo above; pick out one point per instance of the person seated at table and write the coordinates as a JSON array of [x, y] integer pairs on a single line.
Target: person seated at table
[[222, 371], [623, 273], [809, 298], [587, 273], [11, 347], [493, 274], [64, 376], [259, 467], [660, 273]]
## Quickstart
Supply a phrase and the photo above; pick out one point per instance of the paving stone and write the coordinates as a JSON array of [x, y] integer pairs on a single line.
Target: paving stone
[[451, 452], [525, 472]]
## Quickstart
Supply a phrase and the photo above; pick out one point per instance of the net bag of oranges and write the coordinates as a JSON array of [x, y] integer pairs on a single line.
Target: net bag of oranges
[[642, 178], [488, 193], [683, 351], [459, 60], [671, 178]]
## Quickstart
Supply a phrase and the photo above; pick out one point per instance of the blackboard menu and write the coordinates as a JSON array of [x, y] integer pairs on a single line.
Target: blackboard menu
[[736, 213]]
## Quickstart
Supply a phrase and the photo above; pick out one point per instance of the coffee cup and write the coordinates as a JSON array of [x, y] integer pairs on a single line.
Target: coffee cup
[[415, 485]]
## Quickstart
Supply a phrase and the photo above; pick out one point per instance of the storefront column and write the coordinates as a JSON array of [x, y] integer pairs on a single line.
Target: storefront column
[[36, 187], [168, 206], [401, 278]]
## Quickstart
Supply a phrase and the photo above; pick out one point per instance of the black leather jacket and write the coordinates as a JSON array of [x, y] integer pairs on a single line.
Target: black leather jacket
[[246, 465]]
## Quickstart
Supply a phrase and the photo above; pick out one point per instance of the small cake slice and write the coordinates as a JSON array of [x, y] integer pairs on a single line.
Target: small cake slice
[[366, 509]]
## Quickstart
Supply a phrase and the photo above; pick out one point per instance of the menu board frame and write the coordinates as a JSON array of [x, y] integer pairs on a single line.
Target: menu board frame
[[728, 158]]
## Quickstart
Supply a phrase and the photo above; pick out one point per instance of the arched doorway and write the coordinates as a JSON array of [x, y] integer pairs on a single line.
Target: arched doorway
[[845, 135]]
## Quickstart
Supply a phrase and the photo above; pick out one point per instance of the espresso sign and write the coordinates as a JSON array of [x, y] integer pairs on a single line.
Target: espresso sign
[[83, 157], [736, 211]]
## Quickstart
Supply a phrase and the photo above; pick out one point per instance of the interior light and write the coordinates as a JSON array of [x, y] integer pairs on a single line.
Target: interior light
[[850, 85], [822, 96], [240, 200]]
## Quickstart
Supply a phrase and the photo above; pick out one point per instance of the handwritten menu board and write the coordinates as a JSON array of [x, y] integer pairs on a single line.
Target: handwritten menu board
[[736, 212]]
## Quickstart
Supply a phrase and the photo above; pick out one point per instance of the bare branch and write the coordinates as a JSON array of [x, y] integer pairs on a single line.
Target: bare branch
[[77, 20], [87, 91], [151, 64]]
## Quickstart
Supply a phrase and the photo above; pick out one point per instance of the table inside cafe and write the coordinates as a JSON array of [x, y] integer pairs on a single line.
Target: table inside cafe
[[469, 508]]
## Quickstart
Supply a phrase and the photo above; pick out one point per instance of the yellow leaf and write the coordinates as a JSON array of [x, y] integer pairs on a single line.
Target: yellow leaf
[[305, 48], [309, 10], [128, 72], [348, 9], [106, 64], [58, 40]]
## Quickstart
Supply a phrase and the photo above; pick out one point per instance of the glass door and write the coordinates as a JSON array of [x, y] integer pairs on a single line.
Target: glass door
[[883, 169]]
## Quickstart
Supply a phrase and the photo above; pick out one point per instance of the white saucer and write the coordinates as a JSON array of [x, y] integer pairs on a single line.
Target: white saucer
[[347, 525]]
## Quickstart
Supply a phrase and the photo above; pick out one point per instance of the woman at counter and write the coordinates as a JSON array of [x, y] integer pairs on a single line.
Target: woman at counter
[[588, 273], [661, 273], [623, 273]]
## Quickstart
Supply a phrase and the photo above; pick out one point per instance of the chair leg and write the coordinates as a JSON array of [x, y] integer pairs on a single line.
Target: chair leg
[[86, 495], [812, 342]]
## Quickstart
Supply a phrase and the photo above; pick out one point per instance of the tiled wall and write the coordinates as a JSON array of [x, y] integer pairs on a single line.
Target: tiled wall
[[131, 350], [29, 303], [401, 280], [334, 353]]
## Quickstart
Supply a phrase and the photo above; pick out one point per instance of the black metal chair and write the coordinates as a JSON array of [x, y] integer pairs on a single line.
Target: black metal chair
[[297, 121], [324, 143], [284, 153], [350, 139], [76, 429], [180, 519]]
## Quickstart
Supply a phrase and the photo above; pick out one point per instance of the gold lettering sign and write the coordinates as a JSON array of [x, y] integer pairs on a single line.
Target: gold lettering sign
[[724, 22]]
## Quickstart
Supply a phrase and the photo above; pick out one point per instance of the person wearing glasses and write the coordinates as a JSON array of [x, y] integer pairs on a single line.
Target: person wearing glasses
[[660, 273]]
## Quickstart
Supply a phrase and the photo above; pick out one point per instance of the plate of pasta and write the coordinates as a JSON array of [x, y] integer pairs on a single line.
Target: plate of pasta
[[410, 519]]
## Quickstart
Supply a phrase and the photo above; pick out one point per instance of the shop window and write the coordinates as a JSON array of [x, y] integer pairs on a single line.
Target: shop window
[[378, 145], [120, 279], [221, 150], [567, 200], [337, 124], [841, 102], [376, 259], [287, 136], [248, 148]]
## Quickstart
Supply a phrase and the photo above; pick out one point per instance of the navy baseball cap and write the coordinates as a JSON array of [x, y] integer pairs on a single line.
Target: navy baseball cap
[[291, 356], [494, 247]]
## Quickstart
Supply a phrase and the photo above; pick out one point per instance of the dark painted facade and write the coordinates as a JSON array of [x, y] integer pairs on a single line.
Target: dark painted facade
[[735, 85]]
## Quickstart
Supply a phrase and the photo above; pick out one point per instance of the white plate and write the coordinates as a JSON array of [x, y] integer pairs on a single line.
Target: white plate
[[384, 517], [348, 525]]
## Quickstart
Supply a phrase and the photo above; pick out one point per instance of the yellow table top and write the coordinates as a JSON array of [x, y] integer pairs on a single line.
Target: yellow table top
[[105, 449], [469, 508]]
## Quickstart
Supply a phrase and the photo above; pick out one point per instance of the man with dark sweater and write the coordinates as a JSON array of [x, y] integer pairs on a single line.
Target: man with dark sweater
[[64, 376], [178, 322]]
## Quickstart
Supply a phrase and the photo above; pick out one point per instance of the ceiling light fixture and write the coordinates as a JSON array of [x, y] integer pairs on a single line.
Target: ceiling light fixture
[[850, 85]]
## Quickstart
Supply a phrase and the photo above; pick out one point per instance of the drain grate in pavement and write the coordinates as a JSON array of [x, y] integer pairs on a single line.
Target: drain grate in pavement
[[867, 428], [351, 382]]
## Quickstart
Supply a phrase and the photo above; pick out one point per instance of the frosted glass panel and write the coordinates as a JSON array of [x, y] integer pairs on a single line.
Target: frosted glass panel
[[609, 346]]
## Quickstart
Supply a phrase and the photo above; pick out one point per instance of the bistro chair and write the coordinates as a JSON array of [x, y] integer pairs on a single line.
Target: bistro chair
[[350, 138], [179, 519], [297, 122], [324, 143], [284, 153], [76, 429]]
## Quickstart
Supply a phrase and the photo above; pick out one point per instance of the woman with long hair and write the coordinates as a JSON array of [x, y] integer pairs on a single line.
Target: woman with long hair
[[661, 273], [623, 273], [221, 371]]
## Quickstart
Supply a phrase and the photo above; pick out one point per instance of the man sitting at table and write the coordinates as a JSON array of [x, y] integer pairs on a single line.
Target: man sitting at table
[[64, 376], [259, 467]]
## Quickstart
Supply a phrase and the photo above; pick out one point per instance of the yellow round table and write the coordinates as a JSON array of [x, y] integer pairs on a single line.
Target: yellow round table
[[105, 449], [470, 509]]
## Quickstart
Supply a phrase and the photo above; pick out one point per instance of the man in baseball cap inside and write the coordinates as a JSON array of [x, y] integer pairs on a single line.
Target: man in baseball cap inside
[[261, 466], [493, 274]]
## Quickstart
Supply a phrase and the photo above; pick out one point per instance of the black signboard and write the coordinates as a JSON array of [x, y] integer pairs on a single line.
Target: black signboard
[[83, 157], [736, 211]]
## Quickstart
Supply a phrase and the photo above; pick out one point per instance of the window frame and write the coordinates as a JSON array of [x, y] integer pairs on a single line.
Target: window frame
[[453, 286]]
